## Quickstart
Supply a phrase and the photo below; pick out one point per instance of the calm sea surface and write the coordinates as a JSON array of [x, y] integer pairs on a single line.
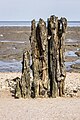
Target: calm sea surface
[[28, 23]]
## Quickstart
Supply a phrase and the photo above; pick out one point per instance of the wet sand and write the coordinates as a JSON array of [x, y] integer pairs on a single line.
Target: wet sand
[[15, 40]]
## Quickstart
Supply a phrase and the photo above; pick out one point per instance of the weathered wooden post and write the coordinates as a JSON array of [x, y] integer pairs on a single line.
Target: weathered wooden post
[[61, 70], [18, 88], [46, 59], [23, 85], [41, 37], [52, 53], [35, 59], [25, 78]]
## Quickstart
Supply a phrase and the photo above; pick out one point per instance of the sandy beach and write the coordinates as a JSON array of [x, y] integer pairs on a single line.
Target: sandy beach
[[15, 40], [65, 108], [40, 109]]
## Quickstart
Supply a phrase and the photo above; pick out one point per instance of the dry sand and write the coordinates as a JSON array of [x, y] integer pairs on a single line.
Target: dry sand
[[40, 109], [66, 108]]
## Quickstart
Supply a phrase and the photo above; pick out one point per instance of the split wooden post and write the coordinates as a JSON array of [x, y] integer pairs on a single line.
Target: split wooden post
[[35, 59], [25, 78], [52, 53], [61, 70], [41, 37]]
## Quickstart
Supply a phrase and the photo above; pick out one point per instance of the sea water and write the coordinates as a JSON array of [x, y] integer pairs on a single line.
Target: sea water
[[10, 66], [15, 23], [28, 23]]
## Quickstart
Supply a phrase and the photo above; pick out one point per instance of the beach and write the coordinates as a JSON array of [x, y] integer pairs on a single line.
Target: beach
[[40, 109], [13, 42]]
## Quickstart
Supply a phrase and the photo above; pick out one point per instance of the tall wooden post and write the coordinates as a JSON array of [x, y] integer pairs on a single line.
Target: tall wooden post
[[41, 37], [35, 59], [52, 53], [61, 70]]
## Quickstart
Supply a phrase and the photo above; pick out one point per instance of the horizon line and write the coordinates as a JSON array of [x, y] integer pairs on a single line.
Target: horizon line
[[31, 20]]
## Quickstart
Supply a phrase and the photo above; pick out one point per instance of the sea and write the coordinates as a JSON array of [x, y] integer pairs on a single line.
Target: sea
[[28, 23]]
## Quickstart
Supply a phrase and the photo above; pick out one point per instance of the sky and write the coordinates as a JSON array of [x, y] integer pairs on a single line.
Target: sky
[[19, 10]]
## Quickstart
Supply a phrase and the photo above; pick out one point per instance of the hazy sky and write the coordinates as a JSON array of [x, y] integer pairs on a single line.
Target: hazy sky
[[30, 9]]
